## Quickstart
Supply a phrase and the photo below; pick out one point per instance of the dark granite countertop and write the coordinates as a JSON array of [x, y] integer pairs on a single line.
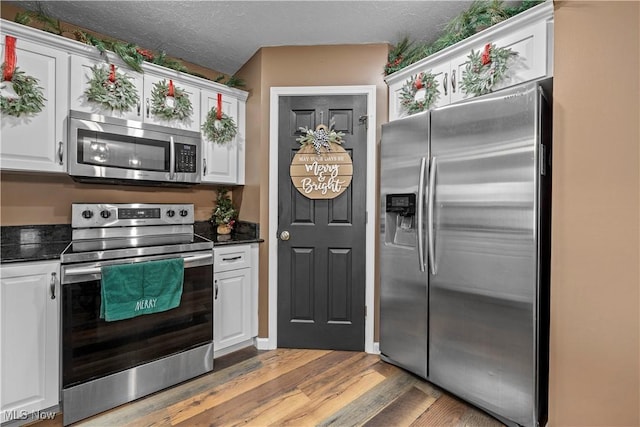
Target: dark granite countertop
[[244, 232], [47, 242], [33, 242]]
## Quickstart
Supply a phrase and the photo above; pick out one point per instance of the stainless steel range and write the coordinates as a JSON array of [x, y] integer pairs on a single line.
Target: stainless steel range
[[107, 363]]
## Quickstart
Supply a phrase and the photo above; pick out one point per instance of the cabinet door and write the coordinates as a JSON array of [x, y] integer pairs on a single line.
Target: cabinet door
[[219, 162], [29, 340], [532, 62], [232, 308], [82, 73], [38, 142], [190, 123]]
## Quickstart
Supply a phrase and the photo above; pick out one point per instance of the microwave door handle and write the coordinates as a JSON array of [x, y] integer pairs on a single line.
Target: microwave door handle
[[172, 158]]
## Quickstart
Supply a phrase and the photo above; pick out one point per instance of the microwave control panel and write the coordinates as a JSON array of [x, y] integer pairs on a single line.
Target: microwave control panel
[[186, 158]]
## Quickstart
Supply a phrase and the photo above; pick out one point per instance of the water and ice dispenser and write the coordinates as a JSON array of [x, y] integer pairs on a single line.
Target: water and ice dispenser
[[400, 220]]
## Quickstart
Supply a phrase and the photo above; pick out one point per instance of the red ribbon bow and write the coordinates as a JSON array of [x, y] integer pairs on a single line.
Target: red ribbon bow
[[171, 89], [219, 110], [486, 55], [9, 58], [112, 74], [418, 83]]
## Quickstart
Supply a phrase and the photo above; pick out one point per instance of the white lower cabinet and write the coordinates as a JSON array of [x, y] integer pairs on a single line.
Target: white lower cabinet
[[29, 340], [235, 297]]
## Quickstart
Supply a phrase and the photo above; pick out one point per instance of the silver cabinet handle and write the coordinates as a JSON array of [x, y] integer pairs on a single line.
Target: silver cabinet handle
[[420, 207], [216, 290], [445, 83], [147, 108], [52, 286], [60, 153], [432, 186], [453, 81], [285, 235], [204, 166]]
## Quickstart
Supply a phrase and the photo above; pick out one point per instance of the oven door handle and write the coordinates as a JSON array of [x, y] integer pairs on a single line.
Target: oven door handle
[[97, 270]]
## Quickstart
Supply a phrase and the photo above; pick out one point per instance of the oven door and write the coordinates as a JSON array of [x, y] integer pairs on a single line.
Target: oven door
[[93, 348]]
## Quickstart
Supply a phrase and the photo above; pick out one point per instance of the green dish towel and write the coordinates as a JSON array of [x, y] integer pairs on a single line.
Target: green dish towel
[[130, 290]]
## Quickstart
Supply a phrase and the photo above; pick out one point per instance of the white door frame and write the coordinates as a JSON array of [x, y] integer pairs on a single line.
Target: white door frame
[[276, 93]]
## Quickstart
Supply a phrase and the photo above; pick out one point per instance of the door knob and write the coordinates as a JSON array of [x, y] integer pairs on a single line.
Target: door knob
[[285, 235]]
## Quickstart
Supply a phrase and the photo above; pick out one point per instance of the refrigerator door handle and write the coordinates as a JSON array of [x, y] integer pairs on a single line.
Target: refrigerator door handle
[[420, 208], [431, 196]]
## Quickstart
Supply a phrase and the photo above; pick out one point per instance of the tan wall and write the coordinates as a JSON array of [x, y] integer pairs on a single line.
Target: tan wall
[[594, 378], [300, 66]]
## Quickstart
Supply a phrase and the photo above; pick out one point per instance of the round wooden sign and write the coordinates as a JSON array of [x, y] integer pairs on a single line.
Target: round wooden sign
[[321, 176]]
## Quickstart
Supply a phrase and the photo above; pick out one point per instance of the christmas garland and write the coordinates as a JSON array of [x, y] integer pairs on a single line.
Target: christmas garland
[[320, 138], [484, 70], [419, 93], [112, 89], [219, 130], [30, 98], [179, 108]]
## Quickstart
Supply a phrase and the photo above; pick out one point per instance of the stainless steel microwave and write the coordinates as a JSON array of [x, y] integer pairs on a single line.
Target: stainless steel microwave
[[110, 150]]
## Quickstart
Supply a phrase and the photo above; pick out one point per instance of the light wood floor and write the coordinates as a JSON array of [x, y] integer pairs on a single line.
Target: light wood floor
[[288, 387]]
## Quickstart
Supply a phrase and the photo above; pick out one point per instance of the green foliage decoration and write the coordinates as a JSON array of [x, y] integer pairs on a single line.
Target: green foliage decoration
[[480, 15], [219, 131], [224, 213], [30, 96], [426, 81], [483, 71], [131, 54], [180, 111], [120, 95], [321, 138]]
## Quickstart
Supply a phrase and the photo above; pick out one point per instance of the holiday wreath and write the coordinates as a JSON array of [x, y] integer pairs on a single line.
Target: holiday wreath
[[485, 69], [419, 93], [320, 138], [170, 102], [28, 98], [218, 127], [19, 93], [112, 89]]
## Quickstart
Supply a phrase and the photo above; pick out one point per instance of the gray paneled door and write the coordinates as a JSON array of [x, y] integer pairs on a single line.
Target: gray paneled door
[[321, 268]]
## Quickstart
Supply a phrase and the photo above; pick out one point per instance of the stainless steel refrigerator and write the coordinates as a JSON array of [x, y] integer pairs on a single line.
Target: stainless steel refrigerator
[[465, 248]]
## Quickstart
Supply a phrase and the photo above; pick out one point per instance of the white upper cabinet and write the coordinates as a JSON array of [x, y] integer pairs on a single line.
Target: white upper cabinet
[[82, 73], [37, 142], [152, 81], [223, 163], [529, 34], [65, 69]]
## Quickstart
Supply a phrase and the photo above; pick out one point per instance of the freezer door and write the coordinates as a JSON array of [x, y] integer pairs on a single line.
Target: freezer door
[[483, 277], [403, 275]]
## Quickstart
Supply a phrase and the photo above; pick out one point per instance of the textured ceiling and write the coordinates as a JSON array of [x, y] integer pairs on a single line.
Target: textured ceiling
[[223, 35]]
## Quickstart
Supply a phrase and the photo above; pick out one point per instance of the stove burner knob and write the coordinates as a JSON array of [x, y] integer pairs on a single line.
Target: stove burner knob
[[105, 214], [183, 212], [171, 213], [87, 214]]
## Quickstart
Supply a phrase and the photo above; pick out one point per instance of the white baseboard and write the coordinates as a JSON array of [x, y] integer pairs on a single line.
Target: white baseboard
[[376, 348], [265, 344], [232, 348]]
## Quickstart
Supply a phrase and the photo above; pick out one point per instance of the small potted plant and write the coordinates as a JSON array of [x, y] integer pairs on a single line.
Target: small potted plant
[[224, 215]]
